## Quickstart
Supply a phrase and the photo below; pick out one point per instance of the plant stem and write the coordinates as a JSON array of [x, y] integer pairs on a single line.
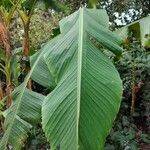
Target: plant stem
[[1, 91], [26, 50], [26, 40], [5, 38], [93, 3], [8, 93], [26, 18], [134, 89]]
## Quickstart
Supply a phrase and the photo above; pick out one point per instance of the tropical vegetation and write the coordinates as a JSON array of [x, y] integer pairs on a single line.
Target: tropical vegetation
[[63, 90]]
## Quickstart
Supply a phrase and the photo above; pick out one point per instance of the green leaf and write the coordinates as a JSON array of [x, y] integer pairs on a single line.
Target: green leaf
[[79, 112], [2, 54], [145, 138], [25, 110], [41, 73], [6, 3], [139, 29], [27, 4], [20, 117], [15, 68]]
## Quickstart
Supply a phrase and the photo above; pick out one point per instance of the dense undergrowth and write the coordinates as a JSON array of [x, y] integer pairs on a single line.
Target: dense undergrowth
[[131, 131]]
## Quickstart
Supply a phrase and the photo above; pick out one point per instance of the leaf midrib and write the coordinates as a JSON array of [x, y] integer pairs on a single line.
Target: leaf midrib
[[79, 69]]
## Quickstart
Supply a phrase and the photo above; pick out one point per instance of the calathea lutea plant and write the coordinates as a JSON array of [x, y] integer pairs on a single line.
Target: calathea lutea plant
[[87, 89]]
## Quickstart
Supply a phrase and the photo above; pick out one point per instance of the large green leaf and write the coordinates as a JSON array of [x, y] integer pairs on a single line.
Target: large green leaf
[[20, 117], [79, 112], [87, 88], [140, 29], [26, 108]]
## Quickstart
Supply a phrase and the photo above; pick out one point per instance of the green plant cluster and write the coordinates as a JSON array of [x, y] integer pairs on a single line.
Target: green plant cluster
[[126, 134], [131, 132], [135, 61]]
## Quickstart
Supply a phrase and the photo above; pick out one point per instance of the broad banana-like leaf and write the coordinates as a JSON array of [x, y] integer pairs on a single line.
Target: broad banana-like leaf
[[140, 30], [79, 112], [41, 73], [20, 117], [26, 108]]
